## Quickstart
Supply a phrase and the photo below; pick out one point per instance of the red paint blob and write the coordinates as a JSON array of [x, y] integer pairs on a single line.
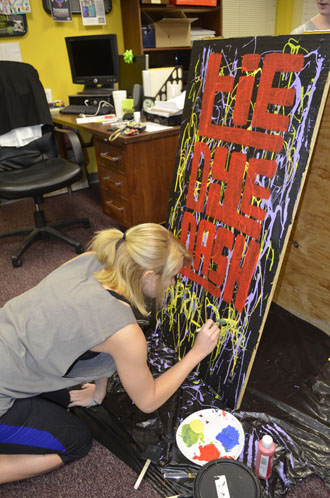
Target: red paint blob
[[207, 453]]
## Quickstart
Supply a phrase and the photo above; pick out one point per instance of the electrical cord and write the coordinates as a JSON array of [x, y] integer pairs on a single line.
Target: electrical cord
[[115, 134], [100, 104]]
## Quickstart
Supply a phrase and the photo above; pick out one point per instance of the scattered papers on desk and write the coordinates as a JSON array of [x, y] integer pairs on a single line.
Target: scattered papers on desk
[[55, 110], [167, 108], [156, 127], [108, 118]]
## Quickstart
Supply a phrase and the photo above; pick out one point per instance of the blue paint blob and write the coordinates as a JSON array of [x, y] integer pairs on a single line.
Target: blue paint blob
[[228, 437]]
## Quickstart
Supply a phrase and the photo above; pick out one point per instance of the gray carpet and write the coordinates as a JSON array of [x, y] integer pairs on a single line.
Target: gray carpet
[[100, 474], [311, 487], [45, 255]]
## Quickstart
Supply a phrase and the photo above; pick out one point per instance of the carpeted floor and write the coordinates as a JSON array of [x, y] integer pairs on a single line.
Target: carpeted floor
[[45, 255], [311, 487], [100, 473]]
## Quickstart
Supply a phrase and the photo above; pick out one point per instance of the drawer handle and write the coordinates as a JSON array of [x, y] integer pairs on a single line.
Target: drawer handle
[[117, 184], [105, 155], [116, 207]]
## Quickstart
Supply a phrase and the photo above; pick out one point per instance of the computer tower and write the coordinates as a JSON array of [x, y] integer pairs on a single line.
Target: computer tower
[[90, 99]]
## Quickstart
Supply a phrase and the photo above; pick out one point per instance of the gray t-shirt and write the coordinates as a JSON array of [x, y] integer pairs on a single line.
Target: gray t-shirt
[[307, 26], [44, 330]]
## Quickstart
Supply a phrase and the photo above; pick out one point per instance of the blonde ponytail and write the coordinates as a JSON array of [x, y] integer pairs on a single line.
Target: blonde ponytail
[[126, 258]]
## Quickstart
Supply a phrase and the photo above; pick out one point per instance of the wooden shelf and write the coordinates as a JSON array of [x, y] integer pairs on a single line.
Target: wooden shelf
[[164, 49], [134, 12], [174, 8]]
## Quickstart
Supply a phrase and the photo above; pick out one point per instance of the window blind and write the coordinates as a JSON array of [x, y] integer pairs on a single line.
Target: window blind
[[248, 18]]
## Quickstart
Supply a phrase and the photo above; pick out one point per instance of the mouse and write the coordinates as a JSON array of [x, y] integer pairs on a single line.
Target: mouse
[[128, 116]]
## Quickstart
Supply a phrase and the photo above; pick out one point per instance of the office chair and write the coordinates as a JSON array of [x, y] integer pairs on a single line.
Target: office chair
[[34, 169]]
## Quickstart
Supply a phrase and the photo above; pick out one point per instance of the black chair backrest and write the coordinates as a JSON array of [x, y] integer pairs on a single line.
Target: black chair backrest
[[23, 100]]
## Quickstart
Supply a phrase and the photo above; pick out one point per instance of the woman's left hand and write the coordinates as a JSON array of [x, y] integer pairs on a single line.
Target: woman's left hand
[[85, 396]]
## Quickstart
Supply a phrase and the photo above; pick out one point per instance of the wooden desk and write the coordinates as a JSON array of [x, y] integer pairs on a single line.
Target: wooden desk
[[135, 173]]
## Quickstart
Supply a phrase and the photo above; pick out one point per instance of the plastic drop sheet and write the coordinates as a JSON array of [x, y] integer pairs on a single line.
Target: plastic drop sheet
[[287, 396]]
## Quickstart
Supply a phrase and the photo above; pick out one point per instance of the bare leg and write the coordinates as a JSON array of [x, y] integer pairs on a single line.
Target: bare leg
[[18, 467]]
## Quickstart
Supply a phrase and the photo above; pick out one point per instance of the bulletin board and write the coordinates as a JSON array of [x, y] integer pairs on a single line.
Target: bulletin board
[[75, 6], [251, 116]]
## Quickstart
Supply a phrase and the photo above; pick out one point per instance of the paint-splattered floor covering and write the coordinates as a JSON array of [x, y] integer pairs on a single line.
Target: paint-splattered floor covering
[[287, 396]]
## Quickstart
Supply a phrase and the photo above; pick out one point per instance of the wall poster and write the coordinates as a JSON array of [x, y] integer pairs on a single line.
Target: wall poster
[[61, 10], [9, 7], [251, 116]]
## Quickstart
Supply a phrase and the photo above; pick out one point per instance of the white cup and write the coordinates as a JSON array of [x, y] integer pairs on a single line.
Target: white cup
[[118, 96]]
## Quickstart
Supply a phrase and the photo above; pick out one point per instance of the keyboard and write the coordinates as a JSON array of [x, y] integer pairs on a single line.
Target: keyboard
[[87, 109]]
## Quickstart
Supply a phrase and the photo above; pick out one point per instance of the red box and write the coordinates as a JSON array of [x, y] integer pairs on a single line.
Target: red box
[[209, 3]]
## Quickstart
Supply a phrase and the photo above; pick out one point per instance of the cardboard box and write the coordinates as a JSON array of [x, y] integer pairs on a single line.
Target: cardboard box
[[209, 3], [173, 32]]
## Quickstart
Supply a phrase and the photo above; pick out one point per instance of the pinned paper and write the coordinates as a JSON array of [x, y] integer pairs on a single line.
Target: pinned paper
[[9, 7], [61, 10], [92, 12]]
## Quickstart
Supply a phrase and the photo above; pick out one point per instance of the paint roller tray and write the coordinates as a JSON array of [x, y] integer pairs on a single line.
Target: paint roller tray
[[209, 434]]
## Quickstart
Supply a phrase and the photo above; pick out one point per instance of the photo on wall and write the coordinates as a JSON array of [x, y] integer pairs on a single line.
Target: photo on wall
[[252, 111], [13, 25]]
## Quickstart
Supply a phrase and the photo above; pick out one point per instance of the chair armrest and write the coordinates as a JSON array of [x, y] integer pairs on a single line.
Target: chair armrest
[[75, 144]]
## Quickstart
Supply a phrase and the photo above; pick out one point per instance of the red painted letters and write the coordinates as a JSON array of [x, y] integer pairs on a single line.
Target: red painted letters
[[223, 187]]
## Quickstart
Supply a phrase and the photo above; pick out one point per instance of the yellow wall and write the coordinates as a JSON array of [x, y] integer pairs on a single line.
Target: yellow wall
[[44, 46], [284, 17]]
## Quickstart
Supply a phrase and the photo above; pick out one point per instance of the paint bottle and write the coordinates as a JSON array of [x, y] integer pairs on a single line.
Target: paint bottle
[[265, 454]]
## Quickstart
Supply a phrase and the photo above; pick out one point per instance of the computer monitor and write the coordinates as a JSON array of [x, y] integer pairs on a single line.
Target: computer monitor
[[130, 73], [94, 62]]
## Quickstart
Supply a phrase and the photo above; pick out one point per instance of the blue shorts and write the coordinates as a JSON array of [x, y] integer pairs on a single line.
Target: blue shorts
[[39, 426]]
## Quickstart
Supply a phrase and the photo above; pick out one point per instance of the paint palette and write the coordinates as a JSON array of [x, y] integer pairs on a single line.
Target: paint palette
[[209, 434]]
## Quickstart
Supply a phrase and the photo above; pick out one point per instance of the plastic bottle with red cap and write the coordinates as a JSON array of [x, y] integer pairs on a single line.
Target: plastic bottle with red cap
[[265, 455]]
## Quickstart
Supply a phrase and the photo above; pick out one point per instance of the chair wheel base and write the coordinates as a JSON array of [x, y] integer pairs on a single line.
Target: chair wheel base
[[79, 249], [17, 262]]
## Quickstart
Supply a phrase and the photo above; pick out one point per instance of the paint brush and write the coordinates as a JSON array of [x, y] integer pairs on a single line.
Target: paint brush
[[218, 324], [177, 474], [180, 496], [143, 471], [152, 454]]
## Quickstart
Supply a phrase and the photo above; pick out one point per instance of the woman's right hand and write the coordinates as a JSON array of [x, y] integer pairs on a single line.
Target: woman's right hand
[[128, 347], [206, 338]]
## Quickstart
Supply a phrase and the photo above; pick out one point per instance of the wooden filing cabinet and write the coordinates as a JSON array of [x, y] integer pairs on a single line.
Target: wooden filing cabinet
[[135, 175]]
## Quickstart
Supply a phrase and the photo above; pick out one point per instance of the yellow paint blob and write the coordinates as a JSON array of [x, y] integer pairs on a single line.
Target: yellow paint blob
[[197, 426]]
